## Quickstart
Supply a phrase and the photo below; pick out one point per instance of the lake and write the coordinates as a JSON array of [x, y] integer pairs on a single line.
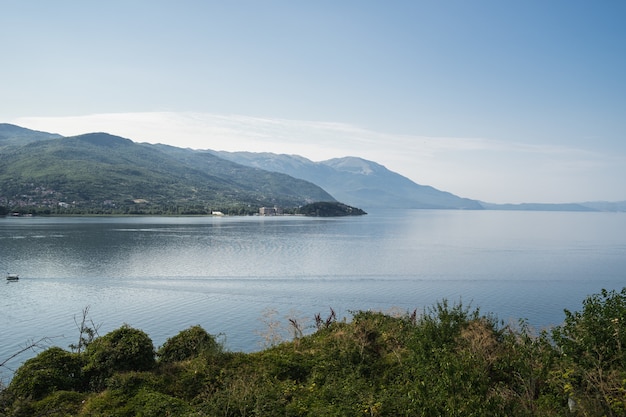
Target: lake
[[233, 274]]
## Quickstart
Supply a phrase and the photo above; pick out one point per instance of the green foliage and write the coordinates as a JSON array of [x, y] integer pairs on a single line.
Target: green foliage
[[134, 394], [155, 404], [56, 404], [596, 336], [59, 403], [188, 344], [124, 349], [190, 378], [449, 360], [592, 343], [329, 209], [52, 370]]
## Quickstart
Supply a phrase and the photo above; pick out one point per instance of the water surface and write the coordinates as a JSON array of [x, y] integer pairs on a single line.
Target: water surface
[[163, 274]]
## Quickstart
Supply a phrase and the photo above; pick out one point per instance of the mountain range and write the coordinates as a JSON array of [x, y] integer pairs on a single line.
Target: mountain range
[[356, 181], [100, 172]]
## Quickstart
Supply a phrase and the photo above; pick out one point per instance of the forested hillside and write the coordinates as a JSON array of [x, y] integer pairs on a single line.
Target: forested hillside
[[101, 173]]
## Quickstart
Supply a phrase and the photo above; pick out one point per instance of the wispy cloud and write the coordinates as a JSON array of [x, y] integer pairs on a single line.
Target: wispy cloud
[[486, 169]]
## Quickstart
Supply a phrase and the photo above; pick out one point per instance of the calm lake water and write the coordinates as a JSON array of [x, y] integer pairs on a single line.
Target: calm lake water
[[164, 274]]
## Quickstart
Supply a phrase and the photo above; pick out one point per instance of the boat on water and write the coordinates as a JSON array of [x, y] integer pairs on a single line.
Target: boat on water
[[13, 277]]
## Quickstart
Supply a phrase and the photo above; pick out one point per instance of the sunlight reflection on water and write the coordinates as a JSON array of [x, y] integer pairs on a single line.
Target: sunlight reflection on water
[[165, 274]]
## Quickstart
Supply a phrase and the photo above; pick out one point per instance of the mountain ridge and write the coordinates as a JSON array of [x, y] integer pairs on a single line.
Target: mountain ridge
[[177, 176], [356, 181], [13, 135], [380, 193], [102, 172]]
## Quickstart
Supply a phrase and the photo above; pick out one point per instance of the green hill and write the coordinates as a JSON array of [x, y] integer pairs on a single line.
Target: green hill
[[11, 135], [98, 172], [329, 209]]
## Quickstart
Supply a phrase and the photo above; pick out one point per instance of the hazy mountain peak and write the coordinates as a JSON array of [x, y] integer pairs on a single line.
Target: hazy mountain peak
[[354, 165], [356, 181], [284, 163]]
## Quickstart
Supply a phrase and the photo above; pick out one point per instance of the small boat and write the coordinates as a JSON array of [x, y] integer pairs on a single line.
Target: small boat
[[13, 277]]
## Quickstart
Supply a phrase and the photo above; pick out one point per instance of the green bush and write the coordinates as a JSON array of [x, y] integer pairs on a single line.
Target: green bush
[[52, 370], [187, 379], [60, 403], [122, 350], [592, 368], [143, 403], [188, 344], [132, 382], [108, 403], [596, 336], [155, 404]]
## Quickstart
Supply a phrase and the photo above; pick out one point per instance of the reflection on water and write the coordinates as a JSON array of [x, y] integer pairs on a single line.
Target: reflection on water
[[165, 274]]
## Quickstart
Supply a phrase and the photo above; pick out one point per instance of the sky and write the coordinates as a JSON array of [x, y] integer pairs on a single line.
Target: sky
[[500, 101]]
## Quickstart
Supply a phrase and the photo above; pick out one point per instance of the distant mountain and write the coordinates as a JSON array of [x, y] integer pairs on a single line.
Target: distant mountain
[[539, 207], [12, 135], [619, 206], [356, 181], [606, 205], [98, 171]]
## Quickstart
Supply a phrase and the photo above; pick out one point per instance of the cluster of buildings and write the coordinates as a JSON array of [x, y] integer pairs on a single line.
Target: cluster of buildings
[[37, 197], [271, 211]]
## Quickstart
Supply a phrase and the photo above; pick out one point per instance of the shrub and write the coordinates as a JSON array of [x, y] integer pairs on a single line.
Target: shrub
[[188, 344], [132, 382], [60, 403], [108, 403], [592, 368], [155, 404], [124, 349], [144, 402], [52, 370], [596, 336]]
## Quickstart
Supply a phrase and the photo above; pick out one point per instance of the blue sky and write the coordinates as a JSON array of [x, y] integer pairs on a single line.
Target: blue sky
[[503, 101]]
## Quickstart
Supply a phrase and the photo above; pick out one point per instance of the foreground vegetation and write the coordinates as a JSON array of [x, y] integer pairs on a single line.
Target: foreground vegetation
[[445, 361]]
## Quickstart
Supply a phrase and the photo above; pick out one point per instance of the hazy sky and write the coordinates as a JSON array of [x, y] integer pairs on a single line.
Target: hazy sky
[[502, 101]]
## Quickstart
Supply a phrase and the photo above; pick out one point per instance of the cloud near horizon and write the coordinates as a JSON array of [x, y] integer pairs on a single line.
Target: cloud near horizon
[[484, 169]]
